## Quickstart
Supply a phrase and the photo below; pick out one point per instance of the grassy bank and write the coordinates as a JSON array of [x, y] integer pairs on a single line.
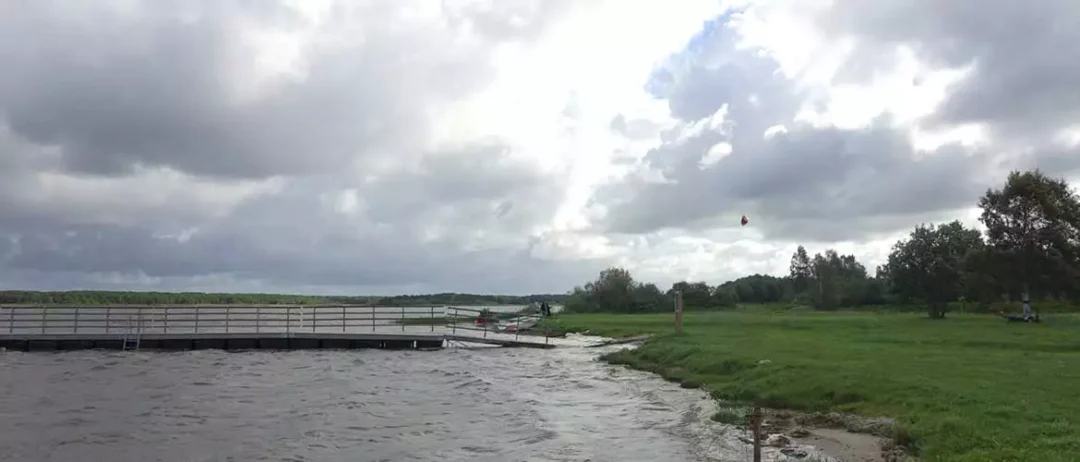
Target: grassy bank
[[967, 388]]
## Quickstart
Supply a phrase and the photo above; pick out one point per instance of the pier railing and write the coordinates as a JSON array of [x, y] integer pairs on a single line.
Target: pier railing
[[180, 319], [481, 322], [27, 320]]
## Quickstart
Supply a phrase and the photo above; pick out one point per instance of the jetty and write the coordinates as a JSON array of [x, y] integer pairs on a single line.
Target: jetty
[[250, 327]]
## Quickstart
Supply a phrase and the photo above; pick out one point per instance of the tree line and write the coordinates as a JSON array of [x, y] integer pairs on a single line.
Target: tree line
[[93, 297], [1031, 246]]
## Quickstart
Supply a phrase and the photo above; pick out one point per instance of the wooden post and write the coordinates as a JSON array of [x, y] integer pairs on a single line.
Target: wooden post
[[678, 311], [757, 435]]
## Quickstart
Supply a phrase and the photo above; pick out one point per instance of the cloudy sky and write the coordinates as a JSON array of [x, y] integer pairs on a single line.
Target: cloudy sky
[[511, 146]]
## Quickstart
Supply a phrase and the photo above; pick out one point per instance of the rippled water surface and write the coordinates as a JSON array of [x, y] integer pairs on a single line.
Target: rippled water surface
[[485, 404]]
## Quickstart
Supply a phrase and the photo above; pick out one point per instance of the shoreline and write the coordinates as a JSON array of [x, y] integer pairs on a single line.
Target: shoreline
[[794, 435]]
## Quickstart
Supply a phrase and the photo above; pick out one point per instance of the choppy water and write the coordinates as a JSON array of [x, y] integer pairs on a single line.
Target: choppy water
[[486, 404]]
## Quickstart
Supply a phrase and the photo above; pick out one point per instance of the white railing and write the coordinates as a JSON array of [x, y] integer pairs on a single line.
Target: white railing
[[488, 322], [179, 319]]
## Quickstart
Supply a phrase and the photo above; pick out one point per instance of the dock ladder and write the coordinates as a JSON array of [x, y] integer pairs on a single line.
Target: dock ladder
[[132, 336]]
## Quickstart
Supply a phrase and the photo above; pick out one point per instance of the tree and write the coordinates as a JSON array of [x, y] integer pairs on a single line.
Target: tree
[[725, 297], [929, 265], [1033, 229], [695, 294], [800, 270], [825, 284], [613, 290], [758, 288], [649, 299]]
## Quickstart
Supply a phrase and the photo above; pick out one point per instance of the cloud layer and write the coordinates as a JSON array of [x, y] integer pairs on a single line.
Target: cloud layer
[[510, 147]]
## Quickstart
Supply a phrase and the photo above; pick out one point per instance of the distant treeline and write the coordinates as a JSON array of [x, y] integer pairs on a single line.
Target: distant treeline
[[93, 297], [1031, 245]]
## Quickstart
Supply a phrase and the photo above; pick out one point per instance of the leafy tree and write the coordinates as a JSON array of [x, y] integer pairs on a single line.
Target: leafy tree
[[1033, 229], [725, 297], [695, 294], [929, 265], [613, 290], [649, 298], [800, 270], [825, 280]]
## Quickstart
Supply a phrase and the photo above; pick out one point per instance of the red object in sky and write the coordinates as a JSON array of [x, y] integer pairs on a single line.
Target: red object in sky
[[744, 220]]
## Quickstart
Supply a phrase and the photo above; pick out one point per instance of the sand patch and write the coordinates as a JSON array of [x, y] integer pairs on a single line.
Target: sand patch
[[844, 437]]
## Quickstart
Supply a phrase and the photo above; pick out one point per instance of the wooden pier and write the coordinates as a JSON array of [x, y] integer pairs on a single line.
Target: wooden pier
[[243, 327]]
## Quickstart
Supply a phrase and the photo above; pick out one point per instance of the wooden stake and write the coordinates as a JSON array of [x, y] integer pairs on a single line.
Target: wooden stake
[[756, 428], [678, 311]]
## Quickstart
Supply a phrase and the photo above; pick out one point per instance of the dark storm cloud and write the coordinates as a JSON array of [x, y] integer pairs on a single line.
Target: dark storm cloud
[[95, 99], [827, 183], [311, 246], [158, 87]]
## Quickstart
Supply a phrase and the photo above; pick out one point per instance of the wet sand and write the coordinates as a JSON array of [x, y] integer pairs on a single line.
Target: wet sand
[[844, 437], [844, 445]]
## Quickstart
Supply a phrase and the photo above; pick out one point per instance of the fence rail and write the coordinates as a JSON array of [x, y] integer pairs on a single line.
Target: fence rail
[[214, 319], [207, 319]]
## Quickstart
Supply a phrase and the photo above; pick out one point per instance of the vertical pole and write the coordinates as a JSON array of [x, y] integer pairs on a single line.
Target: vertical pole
[[314, 316], [228, 314], [258, 319], [166, 322], [108, 319], [453, 321], [11, 321], [373, 319], [432, 308], [196, 318], [342, 318], [678, 311], [757, 434], [76, 328], [43, 320], [288, 319], [403, 318]]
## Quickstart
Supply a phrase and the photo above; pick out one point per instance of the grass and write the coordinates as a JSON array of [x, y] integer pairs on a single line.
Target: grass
[[429, 321], [966, 388]]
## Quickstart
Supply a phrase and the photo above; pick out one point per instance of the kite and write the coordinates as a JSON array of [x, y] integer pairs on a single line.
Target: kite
[[745, 220]]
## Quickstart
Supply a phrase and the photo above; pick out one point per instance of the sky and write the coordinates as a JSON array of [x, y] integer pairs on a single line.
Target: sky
[[509, 146]]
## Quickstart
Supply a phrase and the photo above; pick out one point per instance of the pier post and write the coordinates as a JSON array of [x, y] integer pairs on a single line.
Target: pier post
[[756, 428], [678, 311]]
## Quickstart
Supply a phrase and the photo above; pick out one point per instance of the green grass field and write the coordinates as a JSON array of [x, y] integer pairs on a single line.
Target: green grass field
[[966, 388]]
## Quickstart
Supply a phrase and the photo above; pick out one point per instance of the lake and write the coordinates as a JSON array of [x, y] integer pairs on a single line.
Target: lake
[[457, 404]]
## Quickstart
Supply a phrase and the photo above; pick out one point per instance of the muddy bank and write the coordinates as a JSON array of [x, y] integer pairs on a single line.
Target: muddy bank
[[843, 437]]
